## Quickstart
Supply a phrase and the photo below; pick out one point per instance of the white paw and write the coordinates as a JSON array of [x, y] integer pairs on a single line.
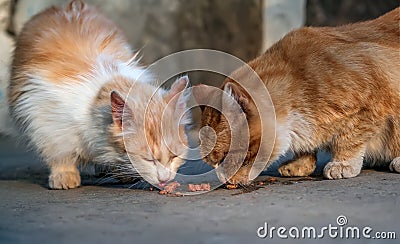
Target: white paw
[[340, 170], [395, 165], [64, 180]]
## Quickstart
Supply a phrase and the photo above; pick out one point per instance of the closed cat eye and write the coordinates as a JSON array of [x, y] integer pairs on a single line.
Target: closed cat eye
[[150, 160]]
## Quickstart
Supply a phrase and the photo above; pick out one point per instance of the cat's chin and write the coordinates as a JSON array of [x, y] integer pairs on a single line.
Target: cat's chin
[[154, 181]]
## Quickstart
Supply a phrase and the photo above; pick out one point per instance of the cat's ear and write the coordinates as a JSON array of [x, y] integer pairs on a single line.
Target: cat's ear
[[234, 95], [76, 6], [206, 95], [117, 108], [178, 97], [177, 94], [177, 88]]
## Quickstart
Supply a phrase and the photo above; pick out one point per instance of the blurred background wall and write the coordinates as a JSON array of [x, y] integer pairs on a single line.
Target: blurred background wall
[[243, 28], [339, 12]]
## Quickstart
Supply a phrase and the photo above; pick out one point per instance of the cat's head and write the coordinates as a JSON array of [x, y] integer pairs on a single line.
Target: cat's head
[[149, 125], [230, 131]]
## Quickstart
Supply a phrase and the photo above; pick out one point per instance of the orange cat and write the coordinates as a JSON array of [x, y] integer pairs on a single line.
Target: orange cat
[[336, 88], [71, 75]]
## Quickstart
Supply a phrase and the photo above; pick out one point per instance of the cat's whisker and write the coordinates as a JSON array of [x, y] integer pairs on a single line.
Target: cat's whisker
[[136, 183], [244, 187], [184, 167], [115, 173], [127, 133], [103, 180]]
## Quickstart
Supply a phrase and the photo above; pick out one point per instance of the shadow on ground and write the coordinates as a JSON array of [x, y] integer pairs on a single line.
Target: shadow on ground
[[30, 213]]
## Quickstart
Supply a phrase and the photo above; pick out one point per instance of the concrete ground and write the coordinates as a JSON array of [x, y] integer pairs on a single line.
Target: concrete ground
[[30, 213]]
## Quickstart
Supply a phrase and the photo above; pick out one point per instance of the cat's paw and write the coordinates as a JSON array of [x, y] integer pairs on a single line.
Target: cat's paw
[[395, 165], [293, 170], [340, 170], [63, 180], [240, 177], [298, 167]]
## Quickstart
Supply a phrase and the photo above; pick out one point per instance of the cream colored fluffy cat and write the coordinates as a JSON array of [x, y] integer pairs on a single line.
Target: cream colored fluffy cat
[[71, 74], [335, 88]]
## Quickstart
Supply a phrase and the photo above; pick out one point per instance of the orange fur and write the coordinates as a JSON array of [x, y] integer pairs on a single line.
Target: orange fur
[[336, 88]]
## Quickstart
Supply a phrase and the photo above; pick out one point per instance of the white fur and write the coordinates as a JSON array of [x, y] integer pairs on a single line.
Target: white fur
[[69, 121], [60, 112], [290, 131], [283, 139]]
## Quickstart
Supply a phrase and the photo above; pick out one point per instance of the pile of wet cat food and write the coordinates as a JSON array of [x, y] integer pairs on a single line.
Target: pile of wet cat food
[[171, 188], [231, 186], [199, 187]]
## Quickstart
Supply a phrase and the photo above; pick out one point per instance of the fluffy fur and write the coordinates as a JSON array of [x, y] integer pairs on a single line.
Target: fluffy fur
[[336, 88], [71, 75]]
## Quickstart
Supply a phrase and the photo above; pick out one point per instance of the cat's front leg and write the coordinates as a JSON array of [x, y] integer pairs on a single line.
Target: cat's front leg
[[64, 174], [302, 165], [395, 165], [346, 162]]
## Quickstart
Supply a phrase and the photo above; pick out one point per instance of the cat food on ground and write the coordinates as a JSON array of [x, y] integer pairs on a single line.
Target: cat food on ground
[[169, 188], [199, 187], [232, 186]]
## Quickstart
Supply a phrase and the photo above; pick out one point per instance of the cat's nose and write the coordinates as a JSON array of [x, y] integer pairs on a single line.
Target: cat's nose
[[162, 184], [163, 175]]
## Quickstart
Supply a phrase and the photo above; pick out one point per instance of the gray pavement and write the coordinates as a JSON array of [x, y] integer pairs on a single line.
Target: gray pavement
[[30, 213]]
